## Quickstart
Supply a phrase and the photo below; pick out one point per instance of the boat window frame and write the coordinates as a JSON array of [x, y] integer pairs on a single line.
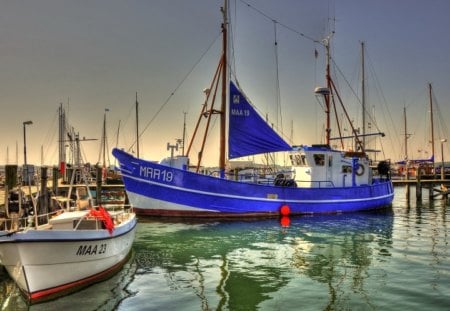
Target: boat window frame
[[298, 159], [319, 159], [346, 169]]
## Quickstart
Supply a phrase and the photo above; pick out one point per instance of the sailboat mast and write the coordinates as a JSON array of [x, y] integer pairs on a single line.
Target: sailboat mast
[[104, 139], [432, 123], [406, 134], [184, 134], [363, 94], [328, 97], [224, 88], [62, 135], [137, 126]]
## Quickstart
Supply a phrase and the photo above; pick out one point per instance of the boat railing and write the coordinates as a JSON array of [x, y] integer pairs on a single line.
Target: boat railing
[[118, 213], [119, 207], [15, 223], [319, 183]]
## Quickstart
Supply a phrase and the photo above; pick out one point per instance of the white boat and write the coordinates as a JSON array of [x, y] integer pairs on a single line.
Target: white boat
[[52, 254]]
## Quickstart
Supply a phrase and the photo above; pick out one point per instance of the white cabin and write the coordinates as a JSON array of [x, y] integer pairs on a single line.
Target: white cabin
[[320, 166]]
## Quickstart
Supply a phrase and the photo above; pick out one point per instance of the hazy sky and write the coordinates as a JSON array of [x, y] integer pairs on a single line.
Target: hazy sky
[[96, 54]]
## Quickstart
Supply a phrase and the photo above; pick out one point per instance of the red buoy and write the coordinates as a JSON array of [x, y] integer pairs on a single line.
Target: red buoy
[[285, 210], [285, 221]]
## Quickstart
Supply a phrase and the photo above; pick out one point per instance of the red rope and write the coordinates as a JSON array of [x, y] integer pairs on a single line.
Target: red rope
[[103, 215]]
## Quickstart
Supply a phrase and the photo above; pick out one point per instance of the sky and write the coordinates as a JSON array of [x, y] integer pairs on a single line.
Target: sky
[[95, 55]]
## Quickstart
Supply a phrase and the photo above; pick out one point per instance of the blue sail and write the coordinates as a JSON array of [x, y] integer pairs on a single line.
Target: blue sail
[[249, 133]]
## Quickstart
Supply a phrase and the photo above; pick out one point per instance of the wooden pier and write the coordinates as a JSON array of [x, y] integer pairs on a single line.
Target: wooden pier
[[436, 187]]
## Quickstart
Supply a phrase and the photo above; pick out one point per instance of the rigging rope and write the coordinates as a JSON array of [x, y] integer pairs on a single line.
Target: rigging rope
[[281, 24], [175, 90]]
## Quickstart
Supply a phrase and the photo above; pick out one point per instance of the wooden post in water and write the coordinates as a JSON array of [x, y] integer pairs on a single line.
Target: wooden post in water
[[55, 177], [10, 183], [408, 195], [11, 176], [98, 179], [419, 185], [431, 192], [43, 197]]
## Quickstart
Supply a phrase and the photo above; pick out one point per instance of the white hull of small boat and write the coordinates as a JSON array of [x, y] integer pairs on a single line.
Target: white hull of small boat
[[48, 263]]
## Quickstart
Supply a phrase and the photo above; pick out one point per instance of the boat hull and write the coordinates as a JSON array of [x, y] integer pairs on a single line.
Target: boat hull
[[49, 263], [155, 189]]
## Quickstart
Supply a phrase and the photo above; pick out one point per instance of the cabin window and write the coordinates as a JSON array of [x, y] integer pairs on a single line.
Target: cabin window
[[346, 169], [330, 161], [297, 159], [319, 159], [303, 159], [293, 158]]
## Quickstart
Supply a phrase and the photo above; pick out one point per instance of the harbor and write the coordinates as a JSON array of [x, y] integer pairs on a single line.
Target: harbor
[[348, 261], [224, 155]]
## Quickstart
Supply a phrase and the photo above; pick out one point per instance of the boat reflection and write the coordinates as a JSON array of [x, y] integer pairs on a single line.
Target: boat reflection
[[322, 261], [252, 264]]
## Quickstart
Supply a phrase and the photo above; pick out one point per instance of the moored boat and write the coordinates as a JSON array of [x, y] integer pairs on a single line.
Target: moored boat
[[321, 179], [62, 251], [162, 190]]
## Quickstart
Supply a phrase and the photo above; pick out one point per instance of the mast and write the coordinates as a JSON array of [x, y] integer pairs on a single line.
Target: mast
[[184, 134], [328, 96], [406, 144], [42, 155], [117, 143], [224, 88], [137, 127], [104, 139], [432, 126], [62, 135], [363, 94]]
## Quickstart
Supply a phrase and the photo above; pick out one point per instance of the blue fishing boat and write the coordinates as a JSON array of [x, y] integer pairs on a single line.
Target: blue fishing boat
[[320, 179]]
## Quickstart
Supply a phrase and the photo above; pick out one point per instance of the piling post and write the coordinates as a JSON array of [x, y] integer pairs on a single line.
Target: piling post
[[408, 195], [10, 183], [431, 192], [419, 185], [43, 197], [55, 178], [11, 176]]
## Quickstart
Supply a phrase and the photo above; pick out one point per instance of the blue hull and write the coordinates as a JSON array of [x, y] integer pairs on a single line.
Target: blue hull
[[155, 189]]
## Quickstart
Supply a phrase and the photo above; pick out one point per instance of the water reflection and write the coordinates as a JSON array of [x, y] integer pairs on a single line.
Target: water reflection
[[246, 265], [423, 235], [397, 257]]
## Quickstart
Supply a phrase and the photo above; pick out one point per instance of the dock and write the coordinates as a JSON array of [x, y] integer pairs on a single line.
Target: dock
[[436, 187]]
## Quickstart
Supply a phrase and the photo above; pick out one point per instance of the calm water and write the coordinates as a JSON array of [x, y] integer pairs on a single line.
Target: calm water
[[391, 260]]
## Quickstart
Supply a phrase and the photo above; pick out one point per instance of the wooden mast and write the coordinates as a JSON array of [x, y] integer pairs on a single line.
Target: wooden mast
[[432, 126], [104, 140], [363, 95], [328, 97], [406, 145], [223, 114], [137, 127]]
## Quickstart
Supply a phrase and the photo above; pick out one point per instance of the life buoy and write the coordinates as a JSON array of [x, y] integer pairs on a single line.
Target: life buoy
[[359, 170]]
